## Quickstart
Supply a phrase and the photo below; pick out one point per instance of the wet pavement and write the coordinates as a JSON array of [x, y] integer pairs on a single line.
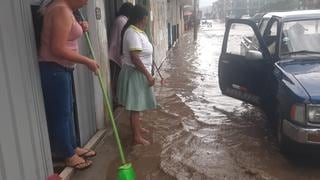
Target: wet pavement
[[199, 134]]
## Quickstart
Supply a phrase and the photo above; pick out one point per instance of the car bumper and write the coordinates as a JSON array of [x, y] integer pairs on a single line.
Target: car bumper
[[301, 134]]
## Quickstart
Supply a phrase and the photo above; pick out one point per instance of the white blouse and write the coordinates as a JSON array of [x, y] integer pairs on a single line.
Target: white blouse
[[135, 39]]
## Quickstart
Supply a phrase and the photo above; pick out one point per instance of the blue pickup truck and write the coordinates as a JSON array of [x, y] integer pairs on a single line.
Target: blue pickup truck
[[276, 65]]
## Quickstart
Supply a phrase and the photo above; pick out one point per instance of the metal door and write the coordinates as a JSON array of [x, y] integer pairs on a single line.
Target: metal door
[[24, 149], [244, 62]]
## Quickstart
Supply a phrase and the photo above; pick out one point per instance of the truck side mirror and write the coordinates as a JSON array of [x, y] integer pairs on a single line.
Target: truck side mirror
[[254, 55]]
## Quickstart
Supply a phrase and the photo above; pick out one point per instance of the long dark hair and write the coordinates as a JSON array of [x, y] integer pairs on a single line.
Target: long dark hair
[[125, 9], [137, 14]]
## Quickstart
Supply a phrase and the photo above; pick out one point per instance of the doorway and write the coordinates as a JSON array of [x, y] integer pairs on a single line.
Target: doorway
[[169, 36]]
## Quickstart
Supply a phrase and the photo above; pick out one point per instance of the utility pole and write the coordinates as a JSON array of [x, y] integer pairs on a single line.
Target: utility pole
[[195, 23]]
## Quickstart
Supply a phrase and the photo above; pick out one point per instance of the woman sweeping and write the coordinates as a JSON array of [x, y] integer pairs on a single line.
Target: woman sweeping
[[135, 81], [58, 56]]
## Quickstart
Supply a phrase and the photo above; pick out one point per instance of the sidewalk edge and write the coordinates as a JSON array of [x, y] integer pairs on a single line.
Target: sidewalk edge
[[67, 173]]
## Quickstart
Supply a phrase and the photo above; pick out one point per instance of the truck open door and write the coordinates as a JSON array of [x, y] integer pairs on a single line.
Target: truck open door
[[244, 62]]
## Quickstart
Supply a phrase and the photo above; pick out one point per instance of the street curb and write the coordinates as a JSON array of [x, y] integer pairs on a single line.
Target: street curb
[[67, 173]]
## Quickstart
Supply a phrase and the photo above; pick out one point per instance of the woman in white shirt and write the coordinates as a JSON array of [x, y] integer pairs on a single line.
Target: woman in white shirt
[[135, 81]]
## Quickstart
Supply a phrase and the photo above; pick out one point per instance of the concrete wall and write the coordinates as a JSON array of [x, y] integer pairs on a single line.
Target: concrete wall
[[98, 32], [175, 19], [181, 18], [163, 13], [159, 31]]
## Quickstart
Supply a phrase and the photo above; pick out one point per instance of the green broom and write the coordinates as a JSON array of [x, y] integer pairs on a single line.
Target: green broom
[[125, 171]]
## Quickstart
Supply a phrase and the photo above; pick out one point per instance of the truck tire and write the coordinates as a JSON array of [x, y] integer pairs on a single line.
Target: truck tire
[[283, 140]]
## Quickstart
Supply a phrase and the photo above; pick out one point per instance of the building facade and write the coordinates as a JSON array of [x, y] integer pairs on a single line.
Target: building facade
[[309, 4], [158, 29]]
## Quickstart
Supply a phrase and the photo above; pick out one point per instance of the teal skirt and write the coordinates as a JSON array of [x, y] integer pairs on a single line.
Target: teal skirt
[[133, 90]]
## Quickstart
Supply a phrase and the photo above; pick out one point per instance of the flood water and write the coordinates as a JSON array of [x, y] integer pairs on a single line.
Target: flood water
[[198, 134]]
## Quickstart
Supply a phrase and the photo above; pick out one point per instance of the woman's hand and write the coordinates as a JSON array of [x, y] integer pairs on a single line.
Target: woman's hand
[[151, 80], [93, 66], [84, 25]]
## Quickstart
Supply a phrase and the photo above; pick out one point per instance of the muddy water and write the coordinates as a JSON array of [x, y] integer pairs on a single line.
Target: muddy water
[[199, 134], [213, 127]]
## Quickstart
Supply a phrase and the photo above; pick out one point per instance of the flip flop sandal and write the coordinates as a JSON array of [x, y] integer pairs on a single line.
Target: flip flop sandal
[[88, 153], [79, 166]]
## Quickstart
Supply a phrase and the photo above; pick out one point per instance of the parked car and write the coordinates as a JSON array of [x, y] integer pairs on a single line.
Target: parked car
[[206, 23], [277, 66]]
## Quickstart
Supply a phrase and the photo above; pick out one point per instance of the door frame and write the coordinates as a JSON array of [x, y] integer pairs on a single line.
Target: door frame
[[270, 22]]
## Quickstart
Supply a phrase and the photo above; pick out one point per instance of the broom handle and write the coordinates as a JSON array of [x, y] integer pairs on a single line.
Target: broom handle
[[106, 99]]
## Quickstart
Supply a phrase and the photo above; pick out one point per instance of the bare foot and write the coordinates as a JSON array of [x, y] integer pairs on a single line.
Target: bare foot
[[82, 152], [144, 130], [141, 141], [77, 162]]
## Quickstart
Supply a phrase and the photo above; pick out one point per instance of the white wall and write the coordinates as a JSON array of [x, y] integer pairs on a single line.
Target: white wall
[[99, 38], [159, 29]]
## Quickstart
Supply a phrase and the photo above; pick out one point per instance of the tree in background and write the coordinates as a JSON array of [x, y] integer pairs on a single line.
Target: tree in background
[[237, 8], [281, 5]]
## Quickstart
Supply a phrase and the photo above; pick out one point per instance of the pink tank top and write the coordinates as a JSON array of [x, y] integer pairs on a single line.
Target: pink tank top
[[45, 54]]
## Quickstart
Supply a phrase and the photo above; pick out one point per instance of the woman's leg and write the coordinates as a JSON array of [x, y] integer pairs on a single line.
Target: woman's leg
[[56, 92], [142, 129], [136, 128], [56, 86], [75, 160]]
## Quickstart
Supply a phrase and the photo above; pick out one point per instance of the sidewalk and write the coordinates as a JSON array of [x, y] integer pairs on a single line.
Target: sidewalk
[[145, 159], [107, 154]]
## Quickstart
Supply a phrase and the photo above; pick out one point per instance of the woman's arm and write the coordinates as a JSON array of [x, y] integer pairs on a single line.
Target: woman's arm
[[139, 65], [61, 26]]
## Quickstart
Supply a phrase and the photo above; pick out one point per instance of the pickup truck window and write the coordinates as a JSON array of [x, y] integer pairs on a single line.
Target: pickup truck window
[[273, 29], [241, 39], [263, 25], [300, 37]]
